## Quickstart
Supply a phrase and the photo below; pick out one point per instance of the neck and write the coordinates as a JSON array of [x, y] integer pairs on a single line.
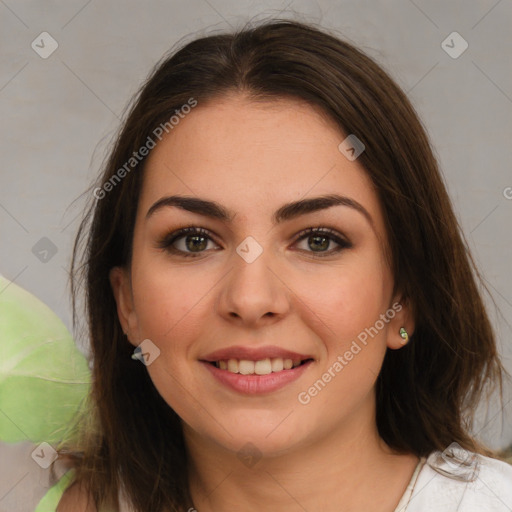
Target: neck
[[348, 470]]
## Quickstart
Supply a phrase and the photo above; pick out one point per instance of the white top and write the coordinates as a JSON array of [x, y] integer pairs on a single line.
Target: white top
[[450, 481], [458, 481]]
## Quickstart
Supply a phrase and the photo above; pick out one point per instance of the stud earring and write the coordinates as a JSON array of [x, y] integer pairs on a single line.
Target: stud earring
[[404, 334]]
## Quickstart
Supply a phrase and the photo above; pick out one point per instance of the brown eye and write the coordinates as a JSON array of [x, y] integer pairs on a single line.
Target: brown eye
[[195, 243], [320, 239], [187, 242], [319, 242]]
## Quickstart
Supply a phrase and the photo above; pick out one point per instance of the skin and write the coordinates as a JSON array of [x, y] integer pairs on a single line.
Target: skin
[[252, 158]]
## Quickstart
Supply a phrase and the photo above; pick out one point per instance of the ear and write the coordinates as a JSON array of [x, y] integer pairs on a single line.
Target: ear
[[403, 318], [120, 282]]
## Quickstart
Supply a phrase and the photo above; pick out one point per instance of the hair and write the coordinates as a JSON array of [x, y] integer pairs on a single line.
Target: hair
[[426, 392]]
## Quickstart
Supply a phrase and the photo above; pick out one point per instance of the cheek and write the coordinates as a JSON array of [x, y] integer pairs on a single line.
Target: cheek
[[353, 346], [348, 300], [166, 298], [172, 309]]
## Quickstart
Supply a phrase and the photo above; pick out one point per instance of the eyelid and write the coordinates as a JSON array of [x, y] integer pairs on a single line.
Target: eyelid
[[166, 241], [322, 230]]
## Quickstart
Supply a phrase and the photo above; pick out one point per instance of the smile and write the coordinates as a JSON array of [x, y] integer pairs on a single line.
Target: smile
[[255, 370], [261, 367]]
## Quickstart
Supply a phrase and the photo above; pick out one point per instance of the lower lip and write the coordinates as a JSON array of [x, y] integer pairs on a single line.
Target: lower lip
[[256, 384]]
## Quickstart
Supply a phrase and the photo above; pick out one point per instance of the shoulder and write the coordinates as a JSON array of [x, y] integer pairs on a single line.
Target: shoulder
[[471, 483], [496, 471], [76, 499]]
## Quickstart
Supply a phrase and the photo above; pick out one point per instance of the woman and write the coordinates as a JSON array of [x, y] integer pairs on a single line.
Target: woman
[[282, 310]]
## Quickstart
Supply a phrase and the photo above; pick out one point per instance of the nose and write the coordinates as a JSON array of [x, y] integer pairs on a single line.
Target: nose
[[254, 294]]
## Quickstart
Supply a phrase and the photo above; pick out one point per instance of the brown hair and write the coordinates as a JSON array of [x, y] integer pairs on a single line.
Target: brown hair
[[426, 392]]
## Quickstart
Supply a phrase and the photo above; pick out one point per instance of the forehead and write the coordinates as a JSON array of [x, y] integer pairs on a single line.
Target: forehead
[[253, 156]]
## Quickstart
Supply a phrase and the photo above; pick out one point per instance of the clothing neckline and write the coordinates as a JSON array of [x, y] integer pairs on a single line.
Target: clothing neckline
[[406, 497]]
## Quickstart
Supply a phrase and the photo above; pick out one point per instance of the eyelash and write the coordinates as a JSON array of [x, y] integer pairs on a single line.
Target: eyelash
[[167, 242]]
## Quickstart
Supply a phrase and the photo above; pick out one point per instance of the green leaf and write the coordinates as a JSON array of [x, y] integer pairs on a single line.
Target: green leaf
[[43, 376]]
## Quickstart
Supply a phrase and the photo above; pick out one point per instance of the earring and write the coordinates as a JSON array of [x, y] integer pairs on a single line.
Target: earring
[[404, 334]]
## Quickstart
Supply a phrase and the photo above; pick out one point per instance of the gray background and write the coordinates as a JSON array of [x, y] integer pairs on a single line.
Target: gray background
[[60, 113]]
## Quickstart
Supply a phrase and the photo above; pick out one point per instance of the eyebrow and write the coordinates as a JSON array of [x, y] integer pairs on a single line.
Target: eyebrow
[[285, 213]]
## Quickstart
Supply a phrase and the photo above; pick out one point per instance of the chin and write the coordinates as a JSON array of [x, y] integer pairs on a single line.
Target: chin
[[266, 433]]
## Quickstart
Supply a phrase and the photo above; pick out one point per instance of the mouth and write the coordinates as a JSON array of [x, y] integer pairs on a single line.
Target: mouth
[[256, 370], [261, 367]]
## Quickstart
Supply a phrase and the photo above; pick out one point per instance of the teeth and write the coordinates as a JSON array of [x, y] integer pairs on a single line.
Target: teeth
[[233, 365], [245, 367], [277, 364], [262, 367]]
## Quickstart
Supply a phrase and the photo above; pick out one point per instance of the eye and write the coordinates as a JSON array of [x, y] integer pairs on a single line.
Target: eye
[[193, 241], [187, 242], [319, 239]]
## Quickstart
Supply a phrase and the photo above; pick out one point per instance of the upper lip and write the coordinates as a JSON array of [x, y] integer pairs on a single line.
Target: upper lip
[[253, 354]]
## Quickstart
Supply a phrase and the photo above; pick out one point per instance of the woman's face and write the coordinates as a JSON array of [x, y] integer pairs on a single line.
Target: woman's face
[[251, 287]]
